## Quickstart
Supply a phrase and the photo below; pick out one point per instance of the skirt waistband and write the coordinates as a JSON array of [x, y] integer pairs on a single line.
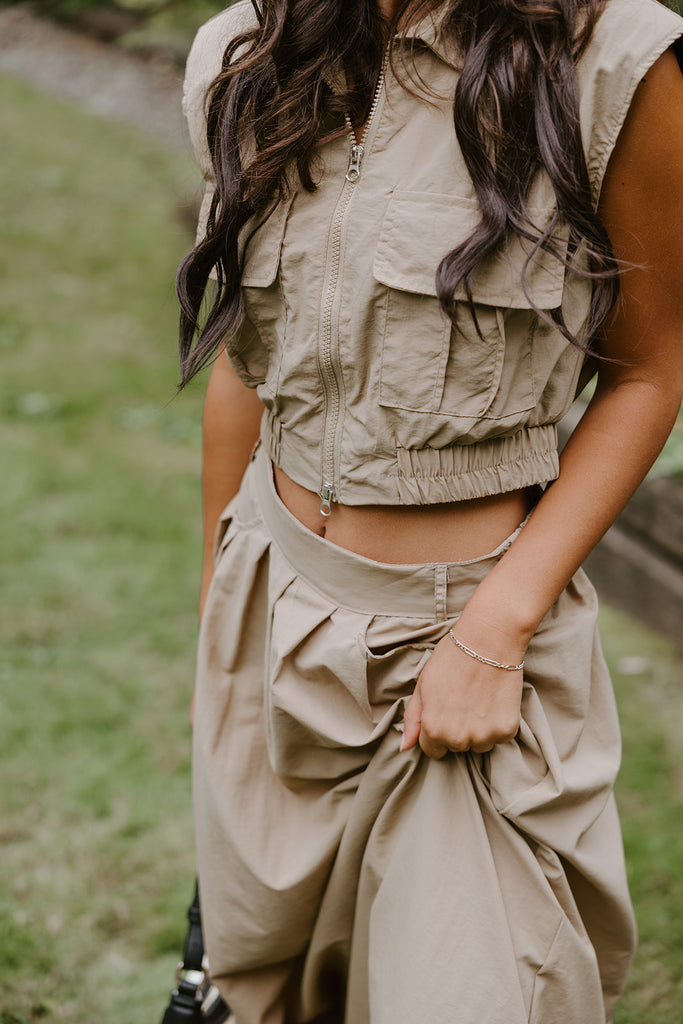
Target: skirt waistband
[[354, 581]]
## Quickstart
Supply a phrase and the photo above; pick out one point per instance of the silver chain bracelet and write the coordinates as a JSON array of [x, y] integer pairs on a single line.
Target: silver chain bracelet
[[481, 658]]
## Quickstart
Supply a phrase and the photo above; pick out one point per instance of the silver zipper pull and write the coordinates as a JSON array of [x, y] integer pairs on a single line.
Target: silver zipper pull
[[327, 495], [355, 157]]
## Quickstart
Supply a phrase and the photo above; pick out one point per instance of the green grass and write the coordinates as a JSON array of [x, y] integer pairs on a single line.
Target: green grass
[[647, 678], [172, 26], [670, 462], [99, 560], [99, 557]]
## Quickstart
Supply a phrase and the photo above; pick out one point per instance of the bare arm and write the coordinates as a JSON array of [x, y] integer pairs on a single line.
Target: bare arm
[[458, 703], [232, 414]]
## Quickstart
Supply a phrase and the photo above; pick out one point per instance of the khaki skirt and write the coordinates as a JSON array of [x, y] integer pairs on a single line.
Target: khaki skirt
[[343, 880]]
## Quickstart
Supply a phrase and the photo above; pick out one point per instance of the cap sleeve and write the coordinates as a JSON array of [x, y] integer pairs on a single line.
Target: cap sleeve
[[628, 38], [203, 65]]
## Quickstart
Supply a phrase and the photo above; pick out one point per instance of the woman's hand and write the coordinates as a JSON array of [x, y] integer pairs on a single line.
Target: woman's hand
[[461, 704]]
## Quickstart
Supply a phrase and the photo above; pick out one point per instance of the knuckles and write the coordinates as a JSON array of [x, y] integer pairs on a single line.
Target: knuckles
[[437, 734], [460, 721]]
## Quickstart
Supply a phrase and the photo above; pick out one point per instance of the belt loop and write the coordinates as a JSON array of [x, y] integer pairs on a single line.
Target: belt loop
[[440, 592]]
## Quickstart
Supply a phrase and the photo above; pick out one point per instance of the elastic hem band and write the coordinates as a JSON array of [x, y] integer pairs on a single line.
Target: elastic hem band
[[424, 476]]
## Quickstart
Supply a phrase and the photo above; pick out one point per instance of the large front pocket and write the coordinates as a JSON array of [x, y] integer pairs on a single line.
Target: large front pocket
[[430, 365], [256, 349]]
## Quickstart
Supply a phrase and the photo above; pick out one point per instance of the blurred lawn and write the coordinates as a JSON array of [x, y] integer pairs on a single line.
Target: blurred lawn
[[99, 556], [99, 559]]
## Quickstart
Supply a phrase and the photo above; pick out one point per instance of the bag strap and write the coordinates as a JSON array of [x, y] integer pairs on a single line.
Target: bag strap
[[195, 999], [193, 952]]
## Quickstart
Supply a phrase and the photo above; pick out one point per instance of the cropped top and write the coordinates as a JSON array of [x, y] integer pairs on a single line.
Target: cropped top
[[371, 395]]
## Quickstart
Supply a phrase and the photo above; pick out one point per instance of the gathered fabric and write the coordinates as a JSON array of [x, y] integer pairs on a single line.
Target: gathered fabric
[[345, 881]]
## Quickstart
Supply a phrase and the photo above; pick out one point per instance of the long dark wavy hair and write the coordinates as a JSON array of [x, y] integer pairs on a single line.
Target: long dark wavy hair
[[515, 111]]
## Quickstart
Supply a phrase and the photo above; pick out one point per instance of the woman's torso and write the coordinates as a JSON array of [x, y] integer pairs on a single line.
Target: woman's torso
[[448, 532], [426, 437], [408, 534], [323, 239], [371, 393]]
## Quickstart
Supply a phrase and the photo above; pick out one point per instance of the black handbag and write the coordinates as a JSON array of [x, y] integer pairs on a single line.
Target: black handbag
[[194, 998]]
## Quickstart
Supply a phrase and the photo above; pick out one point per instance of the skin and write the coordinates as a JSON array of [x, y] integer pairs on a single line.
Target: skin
[[458, 703]]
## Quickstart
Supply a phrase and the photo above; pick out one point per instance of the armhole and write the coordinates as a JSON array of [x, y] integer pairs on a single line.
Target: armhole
[[599, 158], [678, 50]]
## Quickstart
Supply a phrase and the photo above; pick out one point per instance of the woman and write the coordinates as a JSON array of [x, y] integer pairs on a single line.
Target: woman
[[430, 222]]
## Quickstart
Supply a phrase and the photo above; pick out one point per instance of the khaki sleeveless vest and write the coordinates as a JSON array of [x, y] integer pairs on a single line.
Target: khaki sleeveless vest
[[371, 394]]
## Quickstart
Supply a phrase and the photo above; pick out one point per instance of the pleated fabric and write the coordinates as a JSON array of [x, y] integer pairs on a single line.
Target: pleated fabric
[[346, 882]]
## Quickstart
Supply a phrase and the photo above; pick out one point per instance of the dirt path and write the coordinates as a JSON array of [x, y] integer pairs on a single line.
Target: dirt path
[[105, 81]]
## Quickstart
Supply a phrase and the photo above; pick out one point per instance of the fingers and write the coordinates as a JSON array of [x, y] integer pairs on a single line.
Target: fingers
[[432, 749], [431, 743], [481, 748], [413, 731], [437, 735], [459, 740], [437, 748]]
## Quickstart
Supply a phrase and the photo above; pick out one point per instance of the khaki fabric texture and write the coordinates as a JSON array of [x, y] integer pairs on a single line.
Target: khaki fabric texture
[[367, 386], [336, 870]]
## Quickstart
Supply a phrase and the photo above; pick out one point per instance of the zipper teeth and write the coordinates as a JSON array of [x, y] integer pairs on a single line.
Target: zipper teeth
[[326, 354], [333, 387], [373, 109]]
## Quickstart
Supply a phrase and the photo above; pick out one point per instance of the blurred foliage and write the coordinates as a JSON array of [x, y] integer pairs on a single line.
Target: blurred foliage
[[160, 26], [142, 8], [670, 462], [164, 24], [149, 6], [171, 27]]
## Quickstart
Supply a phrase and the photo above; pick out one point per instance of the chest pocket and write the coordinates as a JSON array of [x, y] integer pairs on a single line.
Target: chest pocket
[[430, 365], [256, 350]]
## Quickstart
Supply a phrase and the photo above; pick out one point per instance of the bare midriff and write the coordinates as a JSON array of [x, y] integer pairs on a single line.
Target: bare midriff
[[452, 532]]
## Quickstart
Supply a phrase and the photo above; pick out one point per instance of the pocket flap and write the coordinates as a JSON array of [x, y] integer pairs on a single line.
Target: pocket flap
[[419, 229], [262, 248]]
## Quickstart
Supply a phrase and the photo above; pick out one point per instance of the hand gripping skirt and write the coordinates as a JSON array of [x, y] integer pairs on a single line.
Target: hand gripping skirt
[[346, 882]]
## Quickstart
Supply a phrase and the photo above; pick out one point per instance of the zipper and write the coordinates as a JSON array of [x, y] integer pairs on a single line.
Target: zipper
[[327, 495], [355, 157], [327, 364]]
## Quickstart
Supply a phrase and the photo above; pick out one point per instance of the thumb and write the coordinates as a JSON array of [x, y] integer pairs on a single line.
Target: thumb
[[412, 720]]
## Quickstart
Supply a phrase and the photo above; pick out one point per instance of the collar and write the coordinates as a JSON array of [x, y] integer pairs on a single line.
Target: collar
[[429, 30]]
